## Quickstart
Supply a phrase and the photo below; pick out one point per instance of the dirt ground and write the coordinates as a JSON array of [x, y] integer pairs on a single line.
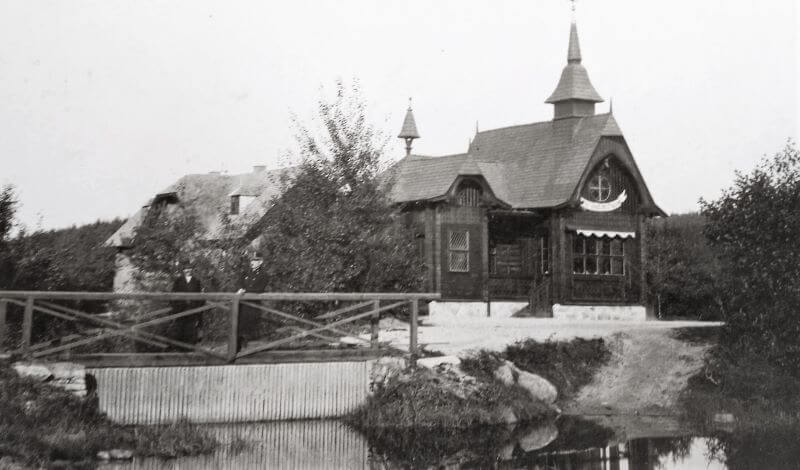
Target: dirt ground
[[648, 369]]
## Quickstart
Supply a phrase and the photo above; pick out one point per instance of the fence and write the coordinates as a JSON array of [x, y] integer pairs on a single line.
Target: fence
[[315, 334]]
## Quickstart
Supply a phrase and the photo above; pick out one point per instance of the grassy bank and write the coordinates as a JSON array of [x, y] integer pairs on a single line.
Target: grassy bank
[[40, 424], [423, 398]]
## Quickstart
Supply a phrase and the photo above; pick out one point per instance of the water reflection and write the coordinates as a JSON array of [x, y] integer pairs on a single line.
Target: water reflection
[[281, 445], [568, 444]]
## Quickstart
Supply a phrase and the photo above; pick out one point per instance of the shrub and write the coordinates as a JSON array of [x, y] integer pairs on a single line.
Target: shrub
[[754, 227]]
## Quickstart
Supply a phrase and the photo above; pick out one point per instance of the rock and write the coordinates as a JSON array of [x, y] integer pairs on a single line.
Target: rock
[[350, 341], [539, 437], [538, 387], [33, 371], [121, 454], [432, 362], [508, 416], [505, 374], [66, 375], [384, 369]]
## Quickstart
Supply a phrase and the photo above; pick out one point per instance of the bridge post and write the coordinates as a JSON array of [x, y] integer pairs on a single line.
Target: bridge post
[[3, 328], [412, 340], [233, 334], [27, 327], [374, 323]]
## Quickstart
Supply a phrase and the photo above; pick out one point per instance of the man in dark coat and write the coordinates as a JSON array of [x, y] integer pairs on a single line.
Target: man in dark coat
[[255, 281], [186, 329]]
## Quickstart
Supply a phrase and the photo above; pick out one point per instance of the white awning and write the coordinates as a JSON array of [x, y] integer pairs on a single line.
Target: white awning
[[605, 233]]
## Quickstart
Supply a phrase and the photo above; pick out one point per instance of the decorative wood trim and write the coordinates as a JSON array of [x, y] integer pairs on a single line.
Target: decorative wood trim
[[438, 247], [430, 259]]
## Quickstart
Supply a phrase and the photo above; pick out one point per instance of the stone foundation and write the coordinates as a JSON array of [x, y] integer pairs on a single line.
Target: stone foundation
[[466, 311], [599, 312]]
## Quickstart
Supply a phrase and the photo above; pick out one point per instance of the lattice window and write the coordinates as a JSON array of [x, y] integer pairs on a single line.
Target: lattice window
[[469, 194], [599, 256], [234, 205], [458, 251]]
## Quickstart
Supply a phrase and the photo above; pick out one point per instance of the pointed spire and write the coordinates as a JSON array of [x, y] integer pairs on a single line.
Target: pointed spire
[[574, 95], [574, 51], [409, 130]]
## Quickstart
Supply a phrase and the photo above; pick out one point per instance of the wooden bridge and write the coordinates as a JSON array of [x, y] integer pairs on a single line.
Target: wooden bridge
[[311, 357]]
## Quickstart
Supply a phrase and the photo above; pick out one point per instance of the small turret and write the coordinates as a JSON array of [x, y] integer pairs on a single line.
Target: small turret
[[574, 96], [409, 130]]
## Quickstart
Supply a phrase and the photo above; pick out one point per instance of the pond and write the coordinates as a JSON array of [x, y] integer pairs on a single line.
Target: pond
[[574, 443]]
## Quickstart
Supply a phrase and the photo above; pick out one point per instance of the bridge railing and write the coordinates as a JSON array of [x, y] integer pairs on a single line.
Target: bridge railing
[[301, 325]]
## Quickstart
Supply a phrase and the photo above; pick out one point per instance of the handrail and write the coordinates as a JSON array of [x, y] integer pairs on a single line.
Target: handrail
[[298, 296], [36, 301]]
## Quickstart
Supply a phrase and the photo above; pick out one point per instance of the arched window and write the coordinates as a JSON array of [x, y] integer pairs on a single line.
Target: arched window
[[469, 194], [599, 188]]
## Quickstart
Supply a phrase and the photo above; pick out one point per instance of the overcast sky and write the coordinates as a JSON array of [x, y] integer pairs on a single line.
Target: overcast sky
[[105, 102]]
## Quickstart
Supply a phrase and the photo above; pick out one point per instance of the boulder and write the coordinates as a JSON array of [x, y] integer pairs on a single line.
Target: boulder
[[537, 386], [508, 416], [66, 375], [505, 373], [538, 437], [35, 371], [433, 362], [120, 454], [383, 369]]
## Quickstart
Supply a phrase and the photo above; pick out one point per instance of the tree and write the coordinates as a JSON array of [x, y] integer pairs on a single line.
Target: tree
[[333, 227], [8, 209], [755, 228], [171, 235], [682, 270]]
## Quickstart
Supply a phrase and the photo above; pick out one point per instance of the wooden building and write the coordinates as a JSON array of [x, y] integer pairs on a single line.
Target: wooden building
[[548, 213]]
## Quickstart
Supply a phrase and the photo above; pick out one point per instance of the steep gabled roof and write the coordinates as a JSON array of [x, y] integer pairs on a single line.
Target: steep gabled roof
[[209, 196], [528, 166]]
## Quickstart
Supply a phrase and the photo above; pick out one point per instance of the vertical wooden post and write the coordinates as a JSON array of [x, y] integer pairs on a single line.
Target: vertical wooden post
[[374, 323], [27, 327], [412, 340], [233, 334], [3, 328]]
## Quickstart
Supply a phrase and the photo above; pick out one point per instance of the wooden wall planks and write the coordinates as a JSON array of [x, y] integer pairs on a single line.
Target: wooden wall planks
[[231, 393]]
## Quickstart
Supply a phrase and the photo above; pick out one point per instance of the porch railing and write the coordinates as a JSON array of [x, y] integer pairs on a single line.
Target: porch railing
[[326, 318]]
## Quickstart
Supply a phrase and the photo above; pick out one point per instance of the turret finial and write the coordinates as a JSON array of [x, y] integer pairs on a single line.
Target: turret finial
[[409, 129]]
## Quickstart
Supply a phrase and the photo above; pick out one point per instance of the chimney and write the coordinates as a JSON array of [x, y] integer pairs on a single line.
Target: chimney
[[259, 168]]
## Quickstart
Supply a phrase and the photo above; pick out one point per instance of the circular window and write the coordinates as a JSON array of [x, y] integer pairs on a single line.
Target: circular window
[[600, 188]]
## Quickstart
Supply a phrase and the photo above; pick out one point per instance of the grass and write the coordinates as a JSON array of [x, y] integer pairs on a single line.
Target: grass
[[40, 424], [569, 365], [422, 398]]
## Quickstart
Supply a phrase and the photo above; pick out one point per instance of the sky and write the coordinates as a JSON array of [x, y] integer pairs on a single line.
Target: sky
[[103, 103]]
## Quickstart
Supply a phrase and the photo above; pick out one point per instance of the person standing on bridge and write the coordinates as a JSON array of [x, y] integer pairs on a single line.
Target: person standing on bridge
[[255, 281], [187, 329]]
